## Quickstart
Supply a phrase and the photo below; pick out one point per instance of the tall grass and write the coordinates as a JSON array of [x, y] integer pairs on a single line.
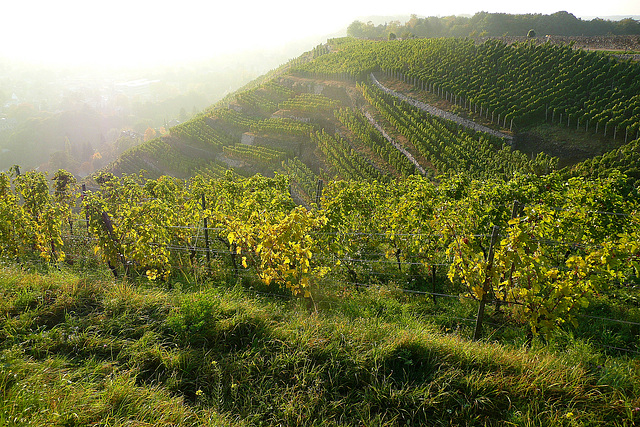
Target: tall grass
[[76, 350]]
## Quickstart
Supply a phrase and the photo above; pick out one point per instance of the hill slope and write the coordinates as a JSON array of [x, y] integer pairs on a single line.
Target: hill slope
[[323, 113], [94, 352], [379, 272]]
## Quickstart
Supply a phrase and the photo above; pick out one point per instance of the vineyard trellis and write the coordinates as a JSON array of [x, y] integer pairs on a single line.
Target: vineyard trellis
[[564, 245], [449, 147], [369, 261], [511, 84], [430, 109]]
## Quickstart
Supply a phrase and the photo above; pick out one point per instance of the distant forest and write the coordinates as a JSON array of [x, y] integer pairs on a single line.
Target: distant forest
[[484, 24]]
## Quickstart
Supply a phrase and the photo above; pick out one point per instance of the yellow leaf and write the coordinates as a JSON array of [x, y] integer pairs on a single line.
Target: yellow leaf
[[244, 261], [231, 237], [478, 291]]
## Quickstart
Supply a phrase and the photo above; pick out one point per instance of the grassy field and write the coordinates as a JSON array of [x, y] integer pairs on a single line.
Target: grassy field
[[79, 349]]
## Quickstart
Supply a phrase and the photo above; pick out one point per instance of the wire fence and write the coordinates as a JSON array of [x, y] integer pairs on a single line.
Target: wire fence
[[376, 267], [366, 262], [250, 273]]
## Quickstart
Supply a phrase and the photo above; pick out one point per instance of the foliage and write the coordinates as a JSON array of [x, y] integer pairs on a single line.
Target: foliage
[[524, 82], [30, 218], [625, 159], [493, 24], [550, 261]]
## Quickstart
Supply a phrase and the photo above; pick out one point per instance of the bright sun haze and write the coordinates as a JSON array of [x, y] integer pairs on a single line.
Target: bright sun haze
[[134, 32]]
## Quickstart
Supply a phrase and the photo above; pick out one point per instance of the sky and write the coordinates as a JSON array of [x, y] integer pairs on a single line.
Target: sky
[[138, 32]]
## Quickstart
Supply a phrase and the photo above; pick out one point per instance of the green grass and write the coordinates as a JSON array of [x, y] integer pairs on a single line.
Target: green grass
[[619, 52], [81, 350], [570, 145]]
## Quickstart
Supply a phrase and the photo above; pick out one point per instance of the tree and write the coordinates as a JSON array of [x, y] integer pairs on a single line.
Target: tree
[[63, 160], [149, 134]]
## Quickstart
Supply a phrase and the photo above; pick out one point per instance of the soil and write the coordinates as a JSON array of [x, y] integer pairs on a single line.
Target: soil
[[571, 146]]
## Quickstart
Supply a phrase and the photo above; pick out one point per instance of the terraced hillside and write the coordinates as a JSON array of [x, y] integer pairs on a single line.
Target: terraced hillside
[[362, 109], [230, 300]]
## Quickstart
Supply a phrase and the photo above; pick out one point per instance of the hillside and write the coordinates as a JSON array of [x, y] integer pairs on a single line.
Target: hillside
[[393, 233], [323, 110], [121, 354]]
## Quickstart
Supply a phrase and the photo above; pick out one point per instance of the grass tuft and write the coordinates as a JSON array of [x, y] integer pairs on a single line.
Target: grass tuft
[[80, 351]]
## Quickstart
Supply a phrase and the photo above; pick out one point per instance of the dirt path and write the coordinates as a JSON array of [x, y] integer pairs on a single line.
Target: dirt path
[[430, 109], [395, 144]]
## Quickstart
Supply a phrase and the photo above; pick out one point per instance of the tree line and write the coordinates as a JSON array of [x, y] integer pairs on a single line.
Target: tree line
[[493, 25]]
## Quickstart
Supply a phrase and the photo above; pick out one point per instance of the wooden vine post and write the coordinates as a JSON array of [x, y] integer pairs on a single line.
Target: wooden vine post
[[486, 289], [106, 221], [206, 230], [433, 284], [86, 214], [319, 192]]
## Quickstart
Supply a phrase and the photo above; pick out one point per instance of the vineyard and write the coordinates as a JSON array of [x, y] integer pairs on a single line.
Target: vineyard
[[389, 148], [252, 153], [526, 83], [366, 133], [310, 103], [449, 147], [304, 177], [282, 126], [567, 242], [334, 113], [156, 156], [352, 240], [198, 130]]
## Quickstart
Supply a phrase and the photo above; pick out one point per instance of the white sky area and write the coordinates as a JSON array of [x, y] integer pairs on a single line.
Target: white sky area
[[134, 32]]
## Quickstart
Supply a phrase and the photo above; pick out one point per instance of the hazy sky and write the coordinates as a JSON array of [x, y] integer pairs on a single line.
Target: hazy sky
[[121, 32]]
